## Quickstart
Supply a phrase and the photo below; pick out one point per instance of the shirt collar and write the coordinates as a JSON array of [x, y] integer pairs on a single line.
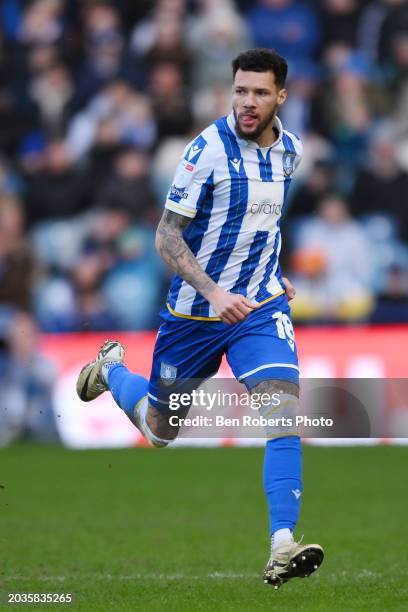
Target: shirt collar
[[251, 143]]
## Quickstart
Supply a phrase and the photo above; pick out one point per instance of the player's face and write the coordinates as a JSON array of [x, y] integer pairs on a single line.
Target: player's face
[[255, 101]]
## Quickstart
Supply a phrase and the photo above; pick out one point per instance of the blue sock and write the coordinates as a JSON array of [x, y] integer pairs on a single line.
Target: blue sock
[[127, 388], [282, 479]]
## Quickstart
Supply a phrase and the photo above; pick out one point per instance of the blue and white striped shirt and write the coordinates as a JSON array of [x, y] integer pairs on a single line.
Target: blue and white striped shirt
[[234, 192]]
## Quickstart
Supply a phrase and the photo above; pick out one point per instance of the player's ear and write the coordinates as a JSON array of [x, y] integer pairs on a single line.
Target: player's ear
[[282, 95]]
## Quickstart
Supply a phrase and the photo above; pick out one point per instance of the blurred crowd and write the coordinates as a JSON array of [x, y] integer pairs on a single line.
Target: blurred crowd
[[98, 100]]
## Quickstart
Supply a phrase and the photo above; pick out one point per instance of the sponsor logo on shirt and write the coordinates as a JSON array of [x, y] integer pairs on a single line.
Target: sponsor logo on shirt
[[265, 207], [179, 192]]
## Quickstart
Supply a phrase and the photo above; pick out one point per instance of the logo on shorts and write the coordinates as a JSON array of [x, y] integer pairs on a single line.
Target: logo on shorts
[[168, 374]]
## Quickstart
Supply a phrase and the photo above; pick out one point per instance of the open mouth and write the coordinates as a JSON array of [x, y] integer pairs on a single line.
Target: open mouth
[[248, 120]]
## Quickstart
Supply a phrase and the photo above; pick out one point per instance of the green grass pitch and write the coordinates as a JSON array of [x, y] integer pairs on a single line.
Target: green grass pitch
[[186, 529]]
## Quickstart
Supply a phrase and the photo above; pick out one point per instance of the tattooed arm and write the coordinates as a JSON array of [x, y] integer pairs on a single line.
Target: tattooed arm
[[172, 247]]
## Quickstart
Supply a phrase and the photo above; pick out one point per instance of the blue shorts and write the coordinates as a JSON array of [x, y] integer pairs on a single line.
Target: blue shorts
[[261, 347]]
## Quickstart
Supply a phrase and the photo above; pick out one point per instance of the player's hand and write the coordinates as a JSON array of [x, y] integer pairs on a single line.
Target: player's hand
[[289, 288], [230, 307]]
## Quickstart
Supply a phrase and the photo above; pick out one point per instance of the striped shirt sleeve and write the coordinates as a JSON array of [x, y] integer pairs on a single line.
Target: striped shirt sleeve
[[191, 175]]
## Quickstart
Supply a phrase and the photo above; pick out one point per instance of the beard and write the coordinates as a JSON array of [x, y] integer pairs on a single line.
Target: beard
[[258, 131]]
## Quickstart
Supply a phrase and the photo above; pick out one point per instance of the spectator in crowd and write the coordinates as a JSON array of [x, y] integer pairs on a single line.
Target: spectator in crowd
[[370, 25], [102, 152], [147, 32], [133, 286], [382, 185], [393, 44], [289, 26], [216, 35], [125, 113], [26, 70], [114, 283], [170, 100], [331, 264], [37, 42], [39, 59], [15, 122], [339, 19], [18, 265], [348, 122], [137, 125], [79, 305], [132, 280], [318, 183], [58, 189], [71, 299], [51, 92], [41, 22], [211, 103], [26, 378], [392, 303], [169, 46], [128, 187], [302, 87], [105, 56]]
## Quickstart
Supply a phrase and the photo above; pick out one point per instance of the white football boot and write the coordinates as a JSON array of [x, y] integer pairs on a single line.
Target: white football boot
[[90, 381], [292, 560]]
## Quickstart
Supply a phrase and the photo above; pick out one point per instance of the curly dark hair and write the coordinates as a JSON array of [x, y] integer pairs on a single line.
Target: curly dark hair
[[262, 60]]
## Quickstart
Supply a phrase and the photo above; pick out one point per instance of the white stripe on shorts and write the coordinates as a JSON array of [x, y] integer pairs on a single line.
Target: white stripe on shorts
[[268, 365]]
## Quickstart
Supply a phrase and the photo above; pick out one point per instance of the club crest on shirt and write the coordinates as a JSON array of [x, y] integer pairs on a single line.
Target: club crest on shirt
[[289, 163], [168, 374]]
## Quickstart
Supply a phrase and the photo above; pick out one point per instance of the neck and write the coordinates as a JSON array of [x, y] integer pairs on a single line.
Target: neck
[[267, 140], [269, 135]]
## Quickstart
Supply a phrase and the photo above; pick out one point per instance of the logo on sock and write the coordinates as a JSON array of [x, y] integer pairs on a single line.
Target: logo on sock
[[297, 493]]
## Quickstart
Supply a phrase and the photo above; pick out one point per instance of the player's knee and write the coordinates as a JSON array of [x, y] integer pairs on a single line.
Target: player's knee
[[159, 431], [282, 408], [277, 386]]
